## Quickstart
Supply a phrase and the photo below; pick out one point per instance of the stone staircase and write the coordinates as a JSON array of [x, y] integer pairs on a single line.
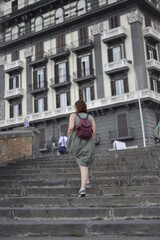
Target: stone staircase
[[38, 197]]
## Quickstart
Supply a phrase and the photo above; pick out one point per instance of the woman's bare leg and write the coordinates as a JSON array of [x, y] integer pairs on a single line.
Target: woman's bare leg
[[84, 176]]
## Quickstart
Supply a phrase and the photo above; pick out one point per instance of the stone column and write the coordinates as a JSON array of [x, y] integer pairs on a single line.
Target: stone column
[[96, 32], [135, 19]]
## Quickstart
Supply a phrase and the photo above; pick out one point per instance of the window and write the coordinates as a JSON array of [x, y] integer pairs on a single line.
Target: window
[[114, 22], [114, 54], [14, 33], [155, 85], [111, 1], [151, 52], [14, 82], [81, 7], [85, 69], [59, 15], [63, 100], [39, 50], [15, 110], [83, 36], [122, 125], [62, 72], [39, 78], [14, 5], [119, 86], [15, 55], [86, 94], [40, 104], [60, 43], [38, 24]]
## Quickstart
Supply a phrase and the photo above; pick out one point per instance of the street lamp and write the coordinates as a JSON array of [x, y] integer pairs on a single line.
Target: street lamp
[[139, 103]]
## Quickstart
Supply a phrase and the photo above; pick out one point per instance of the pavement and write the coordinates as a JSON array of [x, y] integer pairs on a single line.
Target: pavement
[[84, 238]]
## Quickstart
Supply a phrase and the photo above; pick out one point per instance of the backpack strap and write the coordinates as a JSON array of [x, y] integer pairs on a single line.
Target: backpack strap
[[80, 117]]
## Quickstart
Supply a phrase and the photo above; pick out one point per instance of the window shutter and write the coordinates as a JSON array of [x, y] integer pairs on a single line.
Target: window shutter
[[11, 111], [67, 71], [113, 88], [17, 81], [83, 35], [117, 21], [60, 43], [39, 50], [56, 73], [20, 109], [34, 79], [92, 93], [110, 55], [79, 67], [45, 76], [114, 22], [126, 90], [155, 54], [147, 21], [15, 55], [111, 23], [10, 83], [80, 94], [68, 99], [45, 104], [151, 84], [147, 48], [35, 105], [158, 86], [58, 101], [91, 64], [122, 125]]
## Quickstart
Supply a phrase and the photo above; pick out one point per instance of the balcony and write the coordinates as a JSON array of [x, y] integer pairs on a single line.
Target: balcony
[[151, 34], [114, 135], [118, 66], [58, 52], [60, 82], [39, 58], [114, 34], [83, 75], [80, 45], [12, 66], [153, 64], [38, 88], [14, 93]]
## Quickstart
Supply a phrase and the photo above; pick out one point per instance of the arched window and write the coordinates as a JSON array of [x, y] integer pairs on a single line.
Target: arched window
[[81, 7], [59, 17], [38, 24], [14, 32]]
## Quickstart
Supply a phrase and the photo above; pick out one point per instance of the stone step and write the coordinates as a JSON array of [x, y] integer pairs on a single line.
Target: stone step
[[93, 201], [95, 213], [79, 228], [70, 182], [73, 191]]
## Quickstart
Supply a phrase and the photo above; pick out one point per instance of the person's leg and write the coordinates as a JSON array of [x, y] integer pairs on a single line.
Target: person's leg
[[84, 176]]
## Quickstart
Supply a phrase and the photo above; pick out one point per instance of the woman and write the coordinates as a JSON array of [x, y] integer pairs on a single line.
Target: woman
[[83, 150]]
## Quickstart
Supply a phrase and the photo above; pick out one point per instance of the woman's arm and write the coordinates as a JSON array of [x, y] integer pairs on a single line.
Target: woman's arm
[[71, 125], [94, 129]]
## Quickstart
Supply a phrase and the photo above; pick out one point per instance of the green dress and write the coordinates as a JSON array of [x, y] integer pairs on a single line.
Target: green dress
[[83, 150]]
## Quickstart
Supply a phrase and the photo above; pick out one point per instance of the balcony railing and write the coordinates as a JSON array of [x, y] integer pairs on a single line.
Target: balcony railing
[[60, 81], [150, 32], [59, 51], [119, 32], [114, 135], [81, 44], [83, 75], [13, 66], [153, 64], [13, 93], [38, 87], [104, 102], [116, 66]]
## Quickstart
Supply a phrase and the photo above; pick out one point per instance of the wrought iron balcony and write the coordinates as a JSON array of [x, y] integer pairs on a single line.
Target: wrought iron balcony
[[83, 44], [41, 57], [152, 34], [153, 64], [59, 52], [127, 135], [118, 66], [114, 34], [39, 87], [83, 75], [14, 93], [15, 65], [60, 82]]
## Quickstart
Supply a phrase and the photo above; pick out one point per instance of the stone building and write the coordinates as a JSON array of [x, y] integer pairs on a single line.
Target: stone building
[[53, 53]]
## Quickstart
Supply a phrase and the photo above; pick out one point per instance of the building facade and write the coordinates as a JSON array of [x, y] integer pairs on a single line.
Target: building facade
[[53, 53]]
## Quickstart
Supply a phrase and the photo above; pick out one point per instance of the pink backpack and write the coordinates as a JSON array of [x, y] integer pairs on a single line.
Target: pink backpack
[[84, 128]]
